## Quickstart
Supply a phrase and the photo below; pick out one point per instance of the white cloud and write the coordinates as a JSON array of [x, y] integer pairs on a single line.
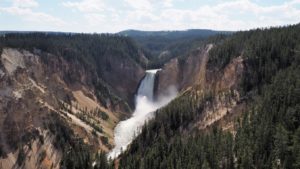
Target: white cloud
[[167, 3], [230, 15], [24, 10], [117, 15], [86, 5], [140, 4], [25, 3], [113, 16], [94, 19], [33, 17], [226, 15]]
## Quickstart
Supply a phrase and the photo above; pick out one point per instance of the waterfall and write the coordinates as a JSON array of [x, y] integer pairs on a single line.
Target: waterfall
[[127, 130], [147, 85]]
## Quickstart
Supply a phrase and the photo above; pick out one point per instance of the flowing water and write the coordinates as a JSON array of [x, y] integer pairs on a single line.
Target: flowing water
[[126, 130]]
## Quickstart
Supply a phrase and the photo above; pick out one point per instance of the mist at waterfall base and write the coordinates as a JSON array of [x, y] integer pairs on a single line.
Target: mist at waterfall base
[[128, 129]]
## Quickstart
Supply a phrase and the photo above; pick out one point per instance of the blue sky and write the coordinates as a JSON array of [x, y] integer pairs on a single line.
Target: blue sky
[[116, 15]]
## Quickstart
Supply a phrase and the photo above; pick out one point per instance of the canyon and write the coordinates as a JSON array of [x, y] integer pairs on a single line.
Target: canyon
[[106, 101]]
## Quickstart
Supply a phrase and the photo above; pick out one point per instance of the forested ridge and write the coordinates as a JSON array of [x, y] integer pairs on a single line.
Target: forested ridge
[[79, 62], [161, 46], [92, 49], [267, 135], [95, 52], [266, 51]]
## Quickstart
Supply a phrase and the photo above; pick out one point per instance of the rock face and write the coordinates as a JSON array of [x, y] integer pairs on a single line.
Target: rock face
[[35, 84], [124, 76], [222, 85], [11, 60], [226, 104], [184, 73], [168, 76], [193, 70]]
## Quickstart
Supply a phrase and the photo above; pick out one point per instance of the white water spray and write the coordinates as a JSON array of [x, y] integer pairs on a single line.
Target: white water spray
[[126, 130]]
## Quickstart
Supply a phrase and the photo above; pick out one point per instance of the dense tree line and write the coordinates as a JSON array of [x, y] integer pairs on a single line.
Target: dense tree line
[[161, 46], [267, 135], [265, 51], [92, 51], [75, 153], [89, 48], [179, 48]]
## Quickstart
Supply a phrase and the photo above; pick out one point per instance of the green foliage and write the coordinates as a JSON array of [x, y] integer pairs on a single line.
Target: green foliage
[[1, 151], [101, 161], [180, 49], [104, 140], [21, 156], [42, 156], [28, 136], [84, 115], [176, 43], [273, 123], [94, 52], [75, 152], [268, 134], [88, 48], [94, 132], [267, 137], [102, 115], [265, 52], [162, 143]]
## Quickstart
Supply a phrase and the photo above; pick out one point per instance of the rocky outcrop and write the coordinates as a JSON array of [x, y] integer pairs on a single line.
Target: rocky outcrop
[[168, 76], [40, 154], [221, 85], [225, 104], [183, 73], [35, 84], [124, 76]]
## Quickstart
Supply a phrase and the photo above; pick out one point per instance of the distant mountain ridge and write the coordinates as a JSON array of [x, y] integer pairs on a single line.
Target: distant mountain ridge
[[174, 33], [62, 95], [29, 32], [133, 32], [161, 46]]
